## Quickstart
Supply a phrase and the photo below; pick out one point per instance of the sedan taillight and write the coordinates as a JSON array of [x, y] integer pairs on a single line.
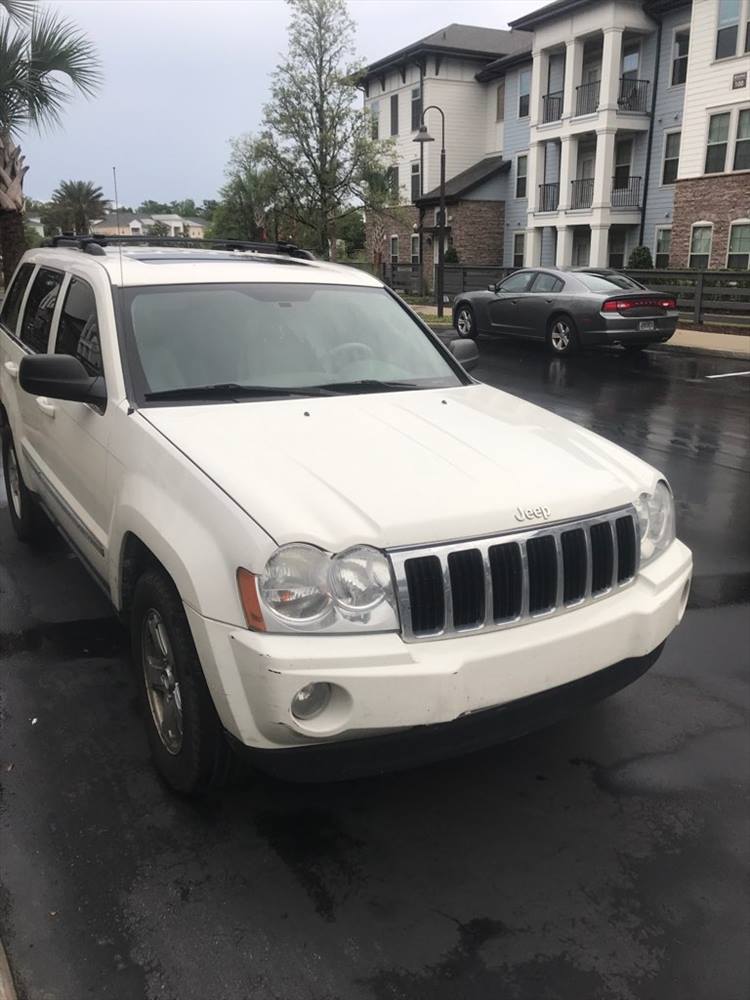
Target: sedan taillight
[[622, 305]]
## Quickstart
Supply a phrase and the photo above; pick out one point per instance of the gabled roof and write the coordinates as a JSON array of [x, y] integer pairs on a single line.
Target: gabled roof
[[499, 67], [555, 9], [466, 181]]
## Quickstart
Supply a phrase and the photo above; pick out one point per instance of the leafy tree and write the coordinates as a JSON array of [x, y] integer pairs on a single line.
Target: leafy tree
[[248, 208], [44, 61], [317, 143], [159, 229], [79, 203], [640, 259], [149, 207]]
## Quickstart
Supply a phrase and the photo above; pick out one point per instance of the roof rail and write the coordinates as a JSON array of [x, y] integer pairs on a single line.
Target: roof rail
[[94, 244]]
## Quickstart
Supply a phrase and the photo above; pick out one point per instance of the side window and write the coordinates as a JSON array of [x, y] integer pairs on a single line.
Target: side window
[[518, 282], [40, 305], [78, 331], [547, 283], [12, 303]]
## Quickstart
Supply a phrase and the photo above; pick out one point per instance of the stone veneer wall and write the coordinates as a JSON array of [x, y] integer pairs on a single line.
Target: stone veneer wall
[[717, 199]]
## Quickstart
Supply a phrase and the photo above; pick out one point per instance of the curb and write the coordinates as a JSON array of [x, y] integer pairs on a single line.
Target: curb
[[7, 989]]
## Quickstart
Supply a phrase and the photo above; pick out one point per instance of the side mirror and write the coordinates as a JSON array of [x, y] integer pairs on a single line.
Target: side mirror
[[491, 287], [465, 352], [61, 376]]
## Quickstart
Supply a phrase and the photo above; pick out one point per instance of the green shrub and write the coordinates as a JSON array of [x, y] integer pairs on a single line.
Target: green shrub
[[640, 259], [451, 256]]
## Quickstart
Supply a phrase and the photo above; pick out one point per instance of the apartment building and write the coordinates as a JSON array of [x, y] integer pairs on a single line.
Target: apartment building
[[600, 125]]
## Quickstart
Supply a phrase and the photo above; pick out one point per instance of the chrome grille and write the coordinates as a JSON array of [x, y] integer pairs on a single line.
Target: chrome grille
[[491, 583]]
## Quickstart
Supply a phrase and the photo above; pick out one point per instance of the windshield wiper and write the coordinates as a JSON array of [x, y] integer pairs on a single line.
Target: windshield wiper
[[233, 390], [368, 385]]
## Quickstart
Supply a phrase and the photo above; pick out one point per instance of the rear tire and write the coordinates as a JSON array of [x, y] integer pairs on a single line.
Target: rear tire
[[187, 741], [562, 336], [22, 507], [465, 323]]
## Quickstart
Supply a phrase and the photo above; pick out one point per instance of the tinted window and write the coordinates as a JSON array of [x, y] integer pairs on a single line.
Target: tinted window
[[12, 303], [547, 283], [37, 316], [78, 331], [517, 282], [606, 282]]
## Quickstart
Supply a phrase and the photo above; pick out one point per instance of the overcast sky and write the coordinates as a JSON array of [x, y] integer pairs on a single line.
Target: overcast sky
[[184, 76]]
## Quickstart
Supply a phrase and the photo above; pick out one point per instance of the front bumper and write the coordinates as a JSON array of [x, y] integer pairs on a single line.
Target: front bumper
[[382, 684]]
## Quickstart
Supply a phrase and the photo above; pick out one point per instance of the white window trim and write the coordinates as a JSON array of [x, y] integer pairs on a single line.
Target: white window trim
[[744, 18], [734, 222], [515, 235], [519, 116], [702, 224], [515, 175], [414, 237], [734, 124], [679, 27], [662, 182], [397, 255], [657, 230]]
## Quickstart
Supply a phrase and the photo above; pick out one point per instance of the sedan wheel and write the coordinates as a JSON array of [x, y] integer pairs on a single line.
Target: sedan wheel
[[465, 322], [162, 687], [562, 337]]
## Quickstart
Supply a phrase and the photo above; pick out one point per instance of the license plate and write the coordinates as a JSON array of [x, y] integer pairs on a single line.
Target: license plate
[[646, 324]]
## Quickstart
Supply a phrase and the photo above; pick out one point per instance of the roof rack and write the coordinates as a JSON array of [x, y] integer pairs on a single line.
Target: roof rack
[[95, 244]]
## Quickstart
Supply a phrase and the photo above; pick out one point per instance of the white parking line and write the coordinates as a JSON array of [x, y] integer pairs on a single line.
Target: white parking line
[[727, 375]]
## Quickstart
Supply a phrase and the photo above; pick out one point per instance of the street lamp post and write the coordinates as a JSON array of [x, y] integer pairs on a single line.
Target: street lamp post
[[424, 136]]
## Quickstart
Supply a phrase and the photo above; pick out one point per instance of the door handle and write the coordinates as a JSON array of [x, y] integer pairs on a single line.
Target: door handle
[[47, 408], [12, 369]]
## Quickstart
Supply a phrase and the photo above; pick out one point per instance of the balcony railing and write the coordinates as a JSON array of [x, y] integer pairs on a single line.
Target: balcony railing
[[549, 197], [626, 193], [552, 105], [633, 95], [582, 193], [587, 98]]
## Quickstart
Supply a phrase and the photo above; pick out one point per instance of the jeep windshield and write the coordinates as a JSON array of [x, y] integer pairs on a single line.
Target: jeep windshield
[[221, 342]]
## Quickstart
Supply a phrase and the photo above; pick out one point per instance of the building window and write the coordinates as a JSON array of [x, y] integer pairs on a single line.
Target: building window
[[616, 247], [524, 88], [738, 257], [500, 101], [415, 250], [394, 114], [727, 28], [742, 146], [718, 136], [521, 167], [680, 48], [416, 108], [519, 246], [415, 185], [623, 159], [663, 246], [394, 251], [393, 183], [700, 247], [375, 113], [671, 157]]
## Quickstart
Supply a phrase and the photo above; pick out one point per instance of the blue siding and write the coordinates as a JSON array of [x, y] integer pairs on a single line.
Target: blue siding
[[515, 140], [667, 115]]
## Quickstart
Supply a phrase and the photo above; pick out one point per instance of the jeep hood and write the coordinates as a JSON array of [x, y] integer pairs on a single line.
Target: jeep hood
[[401, 468]]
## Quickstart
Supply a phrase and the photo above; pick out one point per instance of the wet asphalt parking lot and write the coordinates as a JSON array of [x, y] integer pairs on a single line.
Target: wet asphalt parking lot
[[604, 858]]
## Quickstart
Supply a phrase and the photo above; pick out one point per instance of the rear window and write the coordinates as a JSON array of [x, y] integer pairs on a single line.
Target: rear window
[[12, 303], [607, 282]]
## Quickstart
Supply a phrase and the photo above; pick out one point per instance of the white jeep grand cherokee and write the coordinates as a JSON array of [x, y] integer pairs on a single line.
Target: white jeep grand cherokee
[[334, 547]]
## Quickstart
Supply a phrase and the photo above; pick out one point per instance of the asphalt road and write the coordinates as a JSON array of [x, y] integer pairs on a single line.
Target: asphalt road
[[603, 859]]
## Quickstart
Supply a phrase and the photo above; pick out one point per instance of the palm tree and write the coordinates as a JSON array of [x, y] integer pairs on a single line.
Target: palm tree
[[79, 203], [44, 61]]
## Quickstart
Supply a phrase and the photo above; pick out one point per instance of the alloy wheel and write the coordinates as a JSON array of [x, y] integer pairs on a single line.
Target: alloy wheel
[[560, 336], [162, 687], [463, 322], [14, 481]]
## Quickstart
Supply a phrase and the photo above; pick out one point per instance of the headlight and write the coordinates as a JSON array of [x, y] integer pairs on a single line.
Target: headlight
[[304, 589], [656, 521]]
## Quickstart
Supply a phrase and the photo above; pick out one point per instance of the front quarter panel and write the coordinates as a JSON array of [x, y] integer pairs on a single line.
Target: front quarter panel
[[479, 302]]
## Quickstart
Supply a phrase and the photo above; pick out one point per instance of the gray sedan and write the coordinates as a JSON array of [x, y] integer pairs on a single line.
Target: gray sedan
[[568, 309]]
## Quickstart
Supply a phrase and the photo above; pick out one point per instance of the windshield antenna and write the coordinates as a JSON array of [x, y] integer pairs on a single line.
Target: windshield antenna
[[117, 220]]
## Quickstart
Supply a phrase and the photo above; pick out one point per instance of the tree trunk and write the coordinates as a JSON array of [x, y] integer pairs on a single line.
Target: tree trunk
[[12, 242]]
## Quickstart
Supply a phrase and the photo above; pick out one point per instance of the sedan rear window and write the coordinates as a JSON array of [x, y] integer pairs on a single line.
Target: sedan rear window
[[607, 283]]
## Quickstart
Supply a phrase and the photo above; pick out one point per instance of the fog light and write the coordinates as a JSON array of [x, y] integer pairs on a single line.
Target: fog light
[[310, 701]]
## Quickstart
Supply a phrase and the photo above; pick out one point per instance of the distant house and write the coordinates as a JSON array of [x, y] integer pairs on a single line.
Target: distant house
[[131, 224], [34, 223]]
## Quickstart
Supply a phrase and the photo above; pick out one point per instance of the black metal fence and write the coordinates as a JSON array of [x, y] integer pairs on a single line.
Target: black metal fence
[[549, 197], [626, 193], [552, 105], [633, 95], [582, 193], [587, 98]]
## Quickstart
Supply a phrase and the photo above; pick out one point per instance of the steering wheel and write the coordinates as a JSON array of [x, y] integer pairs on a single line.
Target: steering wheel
[[348, 354]]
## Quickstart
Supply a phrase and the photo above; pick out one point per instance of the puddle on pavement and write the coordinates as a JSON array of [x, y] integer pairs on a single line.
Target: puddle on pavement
[[95, 637], [720, 590]]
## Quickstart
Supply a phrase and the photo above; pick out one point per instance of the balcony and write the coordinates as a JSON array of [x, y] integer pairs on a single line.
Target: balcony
[[587, 98], [552, 105], [626, 193], [582, 193], [549, 197], [633, 95]]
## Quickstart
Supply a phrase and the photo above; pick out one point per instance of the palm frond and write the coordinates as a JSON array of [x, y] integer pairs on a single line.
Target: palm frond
[[20, 11], [60, 59]]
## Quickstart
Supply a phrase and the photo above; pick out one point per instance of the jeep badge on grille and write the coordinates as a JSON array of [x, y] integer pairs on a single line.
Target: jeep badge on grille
[[532, 513]]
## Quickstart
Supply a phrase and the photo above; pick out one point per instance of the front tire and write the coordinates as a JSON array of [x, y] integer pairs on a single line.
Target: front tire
[[465, 323], [562, 336], [22, 506], [186, 738]]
